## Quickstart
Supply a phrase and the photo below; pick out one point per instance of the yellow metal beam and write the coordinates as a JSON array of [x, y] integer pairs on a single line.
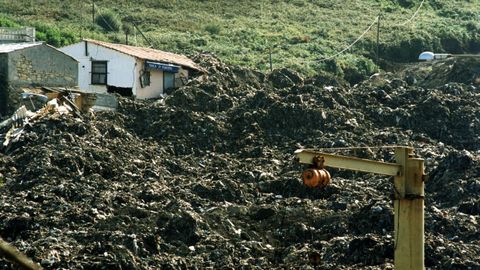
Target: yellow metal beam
[[409, 198], [350, 163]]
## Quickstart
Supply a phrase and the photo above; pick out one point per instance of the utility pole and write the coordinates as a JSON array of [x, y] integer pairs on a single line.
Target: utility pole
[[141, 33], [93, 11], [270, 58], [80, 7], [378, 38]]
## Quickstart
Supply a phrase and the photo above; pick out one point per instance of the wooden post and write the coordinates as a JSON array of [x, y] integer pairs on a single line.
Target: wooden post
[[270, 58], [12, 254], [93, 11], [378, 38], [409, 194], [409, 212]]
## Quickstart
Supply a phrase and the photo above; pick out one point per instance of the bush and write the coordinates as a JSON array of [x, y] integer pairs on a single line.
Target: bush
[[407, 3], [332, 66], [4, 22], [357, 69], [53, 36], [109, 21], [353, 68], [213, 29]]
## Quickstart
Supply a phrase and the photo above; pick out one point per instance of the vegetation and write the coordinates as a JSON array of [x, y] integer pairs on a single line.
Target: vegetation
[[46, 32], [296, 32], [109, 21]]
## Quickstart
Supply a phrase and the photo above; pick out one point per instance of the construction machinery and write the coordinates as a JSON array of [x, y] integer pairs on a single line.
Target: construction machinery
[[409, 177]]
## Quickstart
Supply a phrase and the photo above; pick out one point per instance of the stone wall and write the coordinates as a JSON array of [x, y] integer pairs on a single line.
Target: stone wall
[[42, 66], [3, 85]]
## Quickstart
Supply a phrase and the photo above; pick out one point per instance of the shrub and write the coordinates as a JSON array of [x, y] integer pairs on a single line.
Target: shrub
[[109, 21], [4, 22], [359, 70], [407, 3], [53, 36], [300, 39], [199, 42], [333, 67], [352, 68], [213, 29]]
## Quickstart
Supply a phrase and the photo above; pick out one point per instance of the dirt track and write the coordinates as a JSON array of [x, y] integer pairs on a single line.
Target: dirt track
[[206, 178]]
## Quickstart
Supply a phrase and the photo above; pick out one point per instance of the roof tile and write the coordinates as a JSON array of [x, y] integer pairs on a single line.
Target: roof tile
[[149, 54]]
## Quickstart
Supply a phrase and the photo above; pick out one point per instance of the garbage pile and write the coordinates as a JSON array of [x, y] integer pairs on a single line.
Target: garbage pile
[[58, 103], [206, 179]]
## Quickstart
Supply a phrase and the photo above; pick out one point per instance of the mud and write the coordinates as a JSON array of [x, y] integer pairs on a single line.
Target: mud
[[206, 179]]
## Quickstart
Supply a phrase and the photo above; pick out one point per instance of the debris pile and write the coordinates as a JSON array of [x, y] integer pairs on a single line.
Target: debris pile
[[206, 178]]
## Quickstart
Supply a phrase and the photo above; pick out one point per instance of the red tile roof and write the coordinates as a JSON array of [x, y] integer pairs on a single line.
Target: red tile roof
[[149, 54]]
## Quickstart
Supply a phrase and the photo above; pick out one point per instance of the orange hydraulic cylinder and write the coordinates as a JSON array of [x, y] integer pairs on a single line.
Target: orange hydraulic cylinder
[[316, 178]]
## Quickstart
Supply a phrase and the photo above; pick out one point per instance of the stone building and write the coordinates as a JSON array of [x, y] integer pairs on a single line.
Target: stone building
[[33, 65]]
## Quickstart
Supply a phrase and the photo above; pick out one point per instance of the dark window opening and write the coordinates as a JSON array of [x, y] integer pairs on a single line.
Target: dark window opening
[[145, 78], [99, 72], [123, 91], [168, 80]]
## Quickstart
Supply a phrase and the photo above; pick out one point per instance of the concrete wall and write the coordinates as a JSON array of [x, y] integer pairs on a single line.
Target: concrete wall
[[16, 35], [41, 65], [120, 67]]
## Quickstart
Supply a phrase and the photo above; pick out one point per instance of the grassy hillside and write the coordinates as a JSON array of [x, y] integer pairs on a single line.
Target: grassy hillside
[[297, 32]]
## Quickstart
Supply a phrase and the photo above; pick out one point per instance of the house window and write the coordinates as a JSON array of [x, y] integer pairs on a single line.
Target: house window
[[145, 78], [99, 72]]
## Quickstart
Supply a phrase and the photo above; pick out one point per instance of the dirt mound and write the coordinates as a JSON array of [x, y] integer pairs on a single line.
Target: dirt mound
[[206, 178]]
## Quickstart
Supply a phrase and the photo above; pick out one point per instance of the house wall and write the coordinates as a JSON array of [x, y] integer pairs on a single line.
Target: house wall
[[120, 67], [155, 89], [41, 65]]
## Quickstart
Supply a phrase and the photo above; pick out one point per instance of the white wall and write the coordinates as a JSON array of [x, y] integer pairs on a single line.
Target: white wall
[[123, 71], [120, 67]]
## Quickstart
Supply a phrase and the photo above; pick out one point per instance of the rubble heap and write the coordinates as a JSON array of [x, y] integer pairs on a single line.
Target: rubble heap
[[206, 178]]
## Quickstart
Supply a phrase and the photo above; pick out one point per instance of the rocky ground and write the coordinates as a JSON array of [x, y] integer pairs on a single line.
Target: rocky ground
[[206, 179]]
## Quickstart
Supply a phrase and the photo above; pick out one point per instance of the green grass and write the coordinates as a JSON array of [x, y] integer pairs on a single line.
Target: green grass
[[243, 32]]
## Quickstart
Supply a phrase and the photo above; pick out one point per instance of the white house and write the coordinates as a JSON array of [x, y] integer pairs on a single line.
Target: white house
[[128, 70]]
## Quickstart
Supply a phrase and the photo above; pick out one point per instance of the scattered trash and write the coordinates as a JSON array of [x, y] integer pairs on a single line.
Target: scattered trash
[[207, 179]]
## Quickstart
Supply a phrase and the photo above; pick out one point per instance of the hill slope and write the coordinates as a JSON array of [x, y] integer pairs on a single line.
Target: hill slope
[[244, 32]]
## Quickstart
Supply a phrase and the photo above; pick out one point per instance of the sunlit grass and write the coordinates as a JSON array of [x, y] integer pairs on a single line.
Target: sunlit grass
[[244, 31]]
